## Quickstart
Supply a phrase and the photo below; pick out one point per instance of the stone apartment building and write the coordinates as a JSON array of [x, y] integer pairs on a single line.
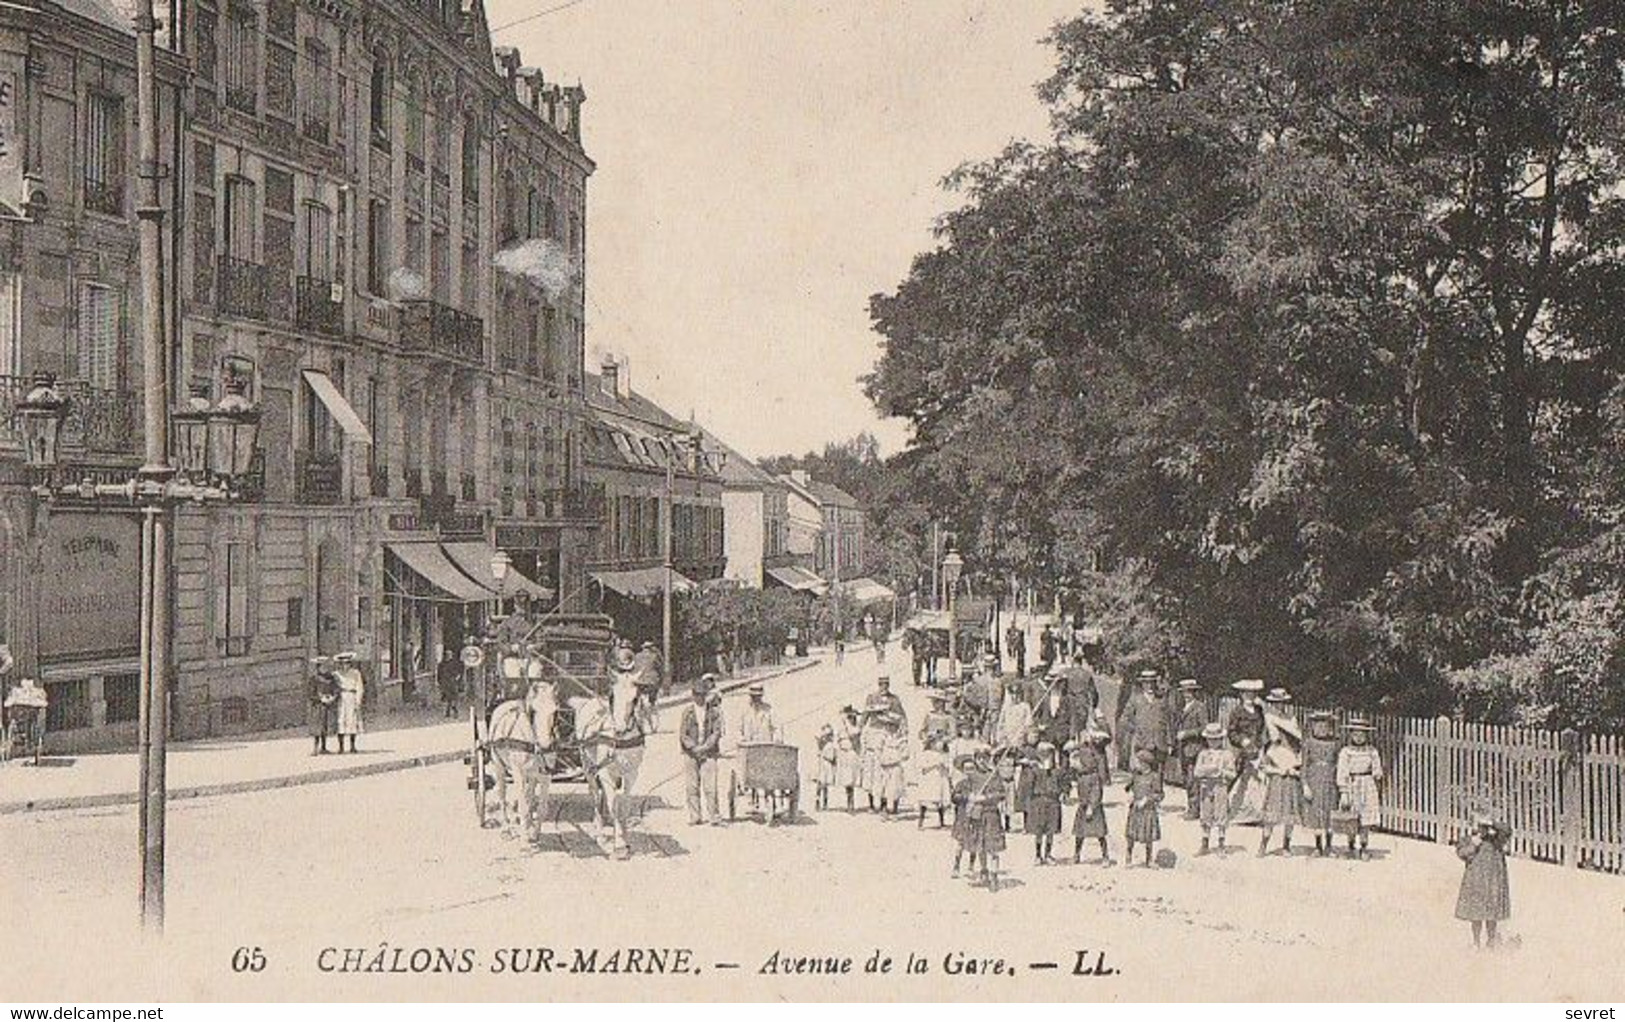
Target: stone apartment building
[[630, 442], [69, 306], [379, 235]]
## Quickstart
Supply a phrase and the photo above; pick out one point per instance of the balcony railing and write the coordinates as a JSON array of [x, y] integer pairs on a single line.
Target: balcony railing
[[380, 479], [316, 310], [319, 477], [412, 478], [99, 420], [102, 197], [442, 332], [437, 483], [470, 489], [244, 288]]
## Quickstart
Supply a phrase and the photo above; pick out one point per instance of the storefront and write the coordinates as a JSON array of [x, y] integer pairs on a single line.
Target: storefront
[[87, 624]]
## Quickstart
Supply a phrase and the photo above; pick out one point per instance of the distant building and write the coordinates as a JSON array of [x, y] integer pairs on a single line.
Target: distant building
[[804, 513], [840, 550], [630, 441], [756, 525]]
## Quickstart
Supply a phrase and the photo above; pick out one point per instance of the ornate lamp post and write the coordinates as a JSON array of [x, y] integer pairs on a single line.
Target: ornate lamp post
[[952, 566], [42, 412]]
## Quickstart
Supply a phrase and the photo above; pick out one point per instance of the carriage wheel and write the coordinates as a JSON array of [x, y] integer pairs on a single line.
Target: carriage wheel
[[733, 794], [478, 768]]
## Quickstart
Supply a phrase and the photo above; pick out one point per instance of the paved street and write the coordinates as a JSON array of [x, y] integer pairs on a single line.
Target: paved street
[[400, 862]]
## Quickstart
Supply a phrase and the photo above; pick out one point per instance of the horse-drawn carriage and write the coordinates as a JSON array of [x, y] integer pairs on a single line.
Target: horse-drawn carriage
[[554, 706], [768, 772]]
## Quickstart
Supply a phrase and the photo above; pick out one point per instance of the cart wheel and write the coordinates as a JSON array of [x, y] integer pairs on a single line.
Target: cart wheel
[[733, 795], [478, 768]]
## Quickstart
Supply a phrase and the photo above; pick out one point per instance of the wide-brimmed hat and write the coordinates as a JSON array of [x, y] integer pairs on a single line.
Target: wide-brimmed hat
[[1249, 685], [1046, 747], [1278, 695], [1214, 732], [1095, 735], [1322, 715], [705, 682], [344, 658], [938, 697], [755, 689], [964, 759], [849, 710], [1359, 724], [1147, 675], [1070, 746], [1189, 685], [884, 679]]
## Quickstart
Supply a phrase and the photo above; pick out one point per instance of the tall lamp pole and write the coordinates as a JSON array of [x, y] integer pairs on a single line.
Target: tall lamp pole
[[666, 574], [952, 565]]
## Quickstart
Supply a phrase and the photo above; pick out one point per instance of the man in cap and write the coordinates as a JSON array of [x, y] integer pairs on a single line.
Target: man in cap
[[938, 721], [700, 735], [884, 701], [1015, 644], [1145, 725], [1193, 717], [756, 726]]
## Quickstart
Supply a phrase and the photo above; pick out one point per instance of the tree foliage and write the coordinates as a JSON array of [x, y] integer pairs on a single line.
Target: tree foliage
[[1311, 312]]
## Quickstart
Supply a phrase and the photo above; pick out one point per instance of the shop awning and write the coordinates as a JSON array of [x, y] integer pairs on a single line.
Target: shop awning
[[641, 582], [474, 558], [338, 406], [429, 560], [792, 577], [867, 590]]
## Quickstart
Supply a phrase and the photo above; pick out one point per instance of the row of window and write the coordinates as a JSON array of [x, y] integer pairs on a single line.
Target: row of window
[[631, 531]]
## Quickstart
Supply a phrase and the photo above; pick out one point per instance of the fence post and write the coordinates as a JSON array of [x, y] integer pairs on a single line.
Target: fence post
[[1440, 730], [1571, 789]]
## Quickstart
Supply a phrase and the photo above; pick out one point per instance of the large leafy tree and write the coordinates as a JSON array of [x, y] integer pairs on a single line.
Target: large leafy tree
[[1311, 311]]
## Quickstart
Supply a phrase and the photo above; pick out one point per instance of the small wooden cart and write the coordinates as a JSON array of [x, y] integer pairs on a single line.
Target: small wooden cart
[[769, 772]]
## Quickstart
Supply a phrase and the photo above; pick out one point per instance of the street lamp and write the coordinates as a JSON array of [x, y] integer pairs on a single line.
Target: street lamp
[[234, 428], [42, 412], [192, 435], [952, 565]]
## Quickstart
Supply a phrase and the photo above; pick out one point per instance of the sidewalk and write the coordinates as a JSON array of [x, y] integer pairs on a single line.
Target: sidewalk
[[254, 763]]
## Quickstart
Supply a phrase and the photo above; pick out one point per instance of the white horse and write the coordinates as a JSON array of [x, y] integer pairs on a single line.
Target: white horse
[[520, 738], [610, 732]]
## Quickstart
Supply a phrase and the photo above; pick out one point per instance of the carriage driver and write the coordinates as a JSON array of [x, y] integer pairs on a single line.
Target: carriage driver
[[756, 726]]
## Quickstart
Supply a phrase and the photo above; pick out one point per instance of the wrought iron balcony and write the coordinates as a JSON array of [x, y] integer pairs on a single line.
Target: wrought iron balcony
[[319, 477], [439, 331], [244, 288], [316, 310], [99, 420]]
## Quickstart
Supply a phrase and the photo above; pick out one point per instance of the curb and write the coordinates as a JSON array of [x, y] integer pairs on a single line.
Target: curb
[[119, 798]]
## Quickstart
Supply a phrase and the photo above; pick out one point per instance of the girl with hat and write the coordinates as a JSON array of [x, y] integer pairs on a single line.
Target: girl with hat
[[827, 754], [848, 774], [966, 823], [1044, 783], [987, 827], [893, 754], [1145, 792], [1320, 778], [1214, 771], [1485, 898], [1282, 767], [1090, 772], [1359, 770], [935, 790]]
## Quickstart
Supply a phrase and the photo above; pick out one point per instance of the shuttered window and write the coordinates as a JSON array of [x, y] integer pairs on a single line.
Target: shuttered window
[[316, 259], [242, 218], [242, 59], [233, 623], [104, 154], [98, 335]]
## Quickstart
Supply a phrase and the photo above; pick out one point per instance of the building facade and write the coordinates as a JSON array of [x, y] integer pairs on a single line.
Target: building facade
[[379, 226], [841, 544], [70, 305], [630, 444], [755, 519]]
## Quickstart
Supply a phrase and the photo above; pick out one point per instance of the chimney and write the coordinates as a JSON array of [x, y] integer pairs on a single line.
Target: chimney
[[611, 371], [507, 58]]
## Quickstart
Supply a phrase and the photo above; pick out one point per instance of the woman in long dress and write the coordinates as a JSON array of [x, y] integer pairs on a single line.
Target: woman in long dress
[[352, 689]]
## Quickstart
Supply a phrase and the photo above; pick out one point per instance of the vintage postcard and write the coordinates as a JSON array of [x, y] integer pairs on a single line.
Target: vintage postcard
[[864, 500]]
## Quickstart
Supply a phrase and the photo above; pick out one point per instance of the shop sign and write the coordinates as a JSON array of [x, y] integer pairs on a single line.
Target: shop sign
[[89, 586]]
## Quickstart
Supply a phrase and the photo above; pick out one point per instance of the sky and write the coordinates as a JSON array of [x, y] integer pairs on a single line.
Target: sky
[[764, 166]]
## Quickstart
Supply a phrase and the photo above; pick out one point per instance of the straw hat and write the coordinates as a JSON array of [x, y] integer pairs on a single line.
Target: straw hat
[[1278, 695], [1190, 685], [1215, 732], [1359, 724], [1249, 685]]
